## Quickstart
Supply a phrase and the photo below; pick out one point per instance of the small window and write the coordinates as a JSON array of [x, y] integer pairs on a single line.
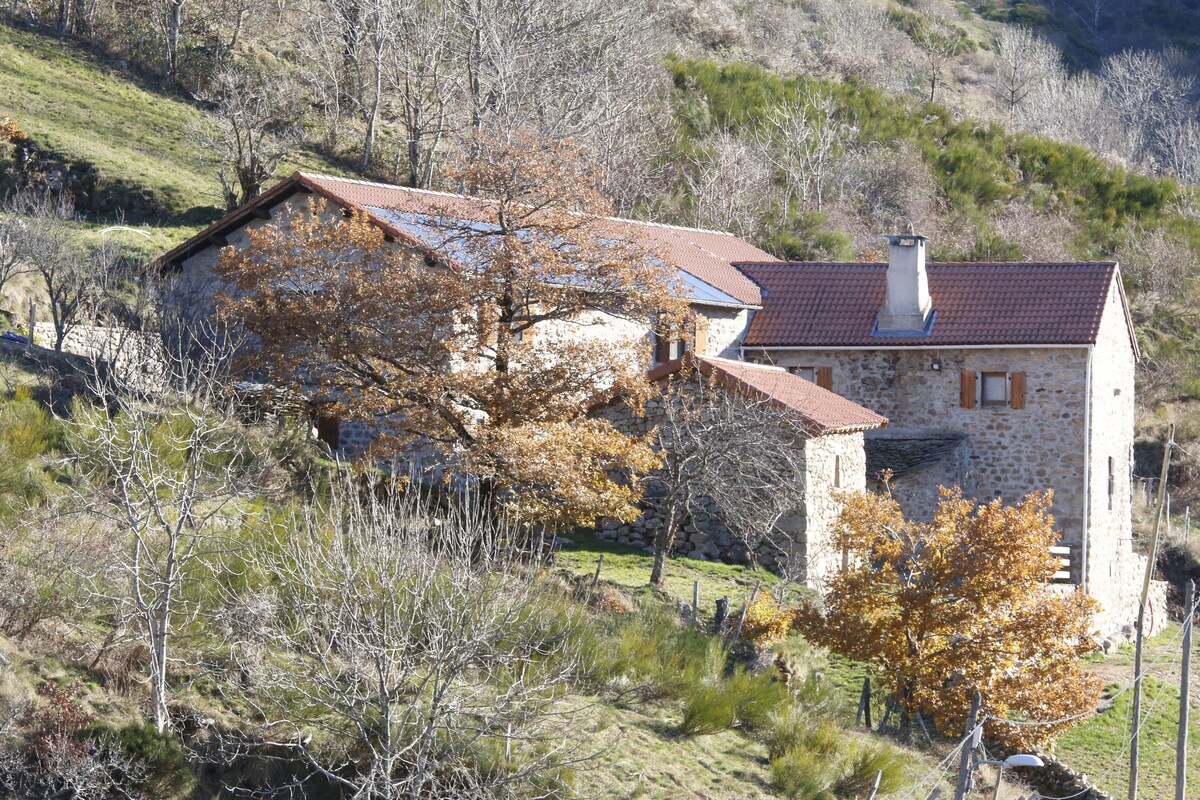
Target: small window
[[1112, 479], [994, 389], [821, 376], [837, 472], [808, 373], [667, 349]]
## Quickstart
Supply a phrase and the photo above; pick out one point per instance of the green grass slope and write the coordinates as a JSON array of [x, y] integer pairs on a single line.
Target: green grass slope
[[76, 105]]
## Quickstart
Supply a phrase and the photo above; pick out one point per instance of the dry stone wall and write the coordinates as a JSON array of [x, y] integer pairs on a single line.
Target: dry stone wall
[[801, 546]]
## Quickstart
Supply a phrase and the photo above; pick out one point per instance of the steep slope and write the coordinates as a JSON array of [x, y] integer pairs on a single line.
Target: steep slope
[[121, 132]]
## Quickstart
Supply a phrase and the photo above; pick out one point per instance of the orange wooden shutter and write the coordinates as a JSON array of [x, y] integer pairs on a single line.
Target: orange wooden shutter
[[968, 389], [825, 377], [700, 340], [1016, 390]]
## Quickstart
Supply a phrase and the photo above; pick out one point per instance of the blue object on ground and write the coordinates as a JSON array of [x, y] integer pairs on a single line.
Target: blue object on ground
[[14, 337]]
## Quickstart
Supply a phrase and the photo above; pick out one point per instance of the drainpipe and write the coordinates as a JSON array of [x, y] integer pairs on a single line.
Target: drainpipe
[[1085, 556]]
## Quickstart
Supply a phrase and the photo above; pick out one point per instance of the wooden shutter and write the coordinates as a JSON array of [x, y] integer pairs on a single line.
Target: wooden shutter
[[825, 377], [967, 389], [700, 339], [1016, 389]]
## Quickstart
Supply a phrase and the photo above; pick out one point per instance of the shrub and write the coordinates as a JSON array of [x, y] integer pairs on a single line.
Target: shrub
[[710, 709], [653, 654], [167, 771], [858, 772], [742, 699], [766, 622], [755, 697], [27, 430], [804, 775]]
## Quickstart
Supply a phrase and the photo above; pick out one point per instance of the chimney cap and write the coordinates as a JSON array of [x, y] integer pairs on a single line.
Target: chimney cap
[[906, 239]]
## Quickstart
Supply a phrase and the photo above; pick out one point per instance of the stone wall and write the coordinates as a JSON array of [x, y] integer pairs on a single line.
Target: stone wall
[[1010, 452], [137, 356], [726, 327], [802, 543], [835, 462]]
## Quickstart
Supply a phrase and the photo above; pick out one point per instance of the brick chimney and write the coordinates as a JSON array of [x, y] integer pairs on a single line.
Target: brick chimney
[[907, 306]]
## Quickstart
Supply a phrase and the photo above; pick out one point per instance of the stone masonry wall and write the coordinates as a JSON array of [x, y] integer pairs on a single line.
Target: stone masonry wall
[[1010, 452], [803, 544], [726, 327], [836, 462], [1115, 570]]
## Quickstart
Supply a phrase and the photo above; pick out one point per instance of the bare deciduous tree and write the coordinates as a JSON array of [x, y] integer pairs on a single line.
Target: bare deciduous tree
[[803, 140], [421, 75], [258, 122], [939, 42], [12, 261], [419, 639], [719, 446], [856, 39], [728, 181], [75, 275], [1150, 95], [167, 460], [1024, 60]]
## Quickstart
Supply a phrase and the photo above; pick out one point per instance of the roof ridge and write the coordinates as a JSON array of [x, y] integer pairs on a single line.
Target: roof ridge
[[927, 263], [485, 199], [378, 185], [671, 227], [743, 363]]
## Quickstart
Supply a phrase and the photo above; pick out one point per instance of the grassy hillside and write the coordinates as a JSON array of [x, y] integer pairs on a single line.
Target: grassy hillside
[[76, 105]]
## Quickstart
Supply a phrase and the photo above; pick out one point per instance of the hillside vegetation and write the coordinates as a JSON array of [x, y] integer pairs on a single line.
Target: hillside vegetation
[[124, 139]]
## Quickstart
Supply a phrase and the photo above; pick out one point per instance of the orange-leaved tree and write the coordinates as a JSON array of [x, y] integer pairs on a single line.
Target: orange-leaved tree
[[479, 339], [960, 604]]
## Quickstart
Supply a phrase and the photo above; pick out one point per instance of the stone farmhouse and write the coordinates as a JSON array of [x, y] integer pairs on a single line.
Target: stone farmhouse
[[1001, 378]]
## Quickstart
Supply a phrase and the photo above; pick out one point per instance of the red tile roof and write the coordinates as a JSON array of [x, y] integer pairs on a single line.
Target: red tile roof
[[820, 410], [833, 305], [706, 255]]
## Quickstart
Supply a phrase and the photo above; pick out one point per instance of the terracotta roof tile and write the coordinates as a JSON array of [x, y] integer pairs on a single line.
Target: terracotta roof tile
[[810, 305], [820, 410], [707, 255]]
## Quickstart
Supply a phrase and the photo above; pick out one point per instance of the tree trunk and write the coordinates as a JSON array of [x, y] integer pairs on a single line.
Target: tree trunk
[[662, 548], [174, 23]]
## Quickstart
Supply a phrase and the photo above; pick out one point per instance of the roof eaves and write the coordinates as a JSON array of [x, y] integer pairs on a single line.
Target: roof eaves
[[275, 194]]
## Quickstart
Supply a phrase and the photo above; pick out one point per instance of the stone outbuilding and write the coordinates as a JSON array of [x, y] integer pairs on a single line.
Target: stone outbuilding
[[829, 433]]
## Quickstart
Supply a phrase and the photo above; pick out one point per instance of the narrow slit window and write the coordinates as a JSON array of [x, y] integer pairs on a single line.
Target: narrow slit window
[[1112, 480], [837, 472]]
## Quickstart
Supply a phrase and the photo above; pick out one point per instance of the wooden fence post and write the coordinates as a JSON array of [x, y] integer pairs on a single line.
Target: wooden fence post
[[1184, 690], [746, 608], [696, 602]]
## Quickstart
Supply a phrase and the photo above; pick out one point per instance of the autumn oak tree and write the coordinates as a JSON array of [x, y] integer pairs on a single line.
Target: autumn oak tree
[[478, 338], [963, 603]]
